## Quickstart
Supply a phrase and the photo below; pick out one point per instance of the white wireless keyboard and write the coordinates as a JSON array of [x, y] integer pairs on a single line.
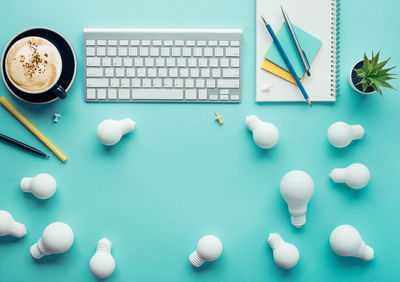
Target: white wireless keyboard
[[163, 65]]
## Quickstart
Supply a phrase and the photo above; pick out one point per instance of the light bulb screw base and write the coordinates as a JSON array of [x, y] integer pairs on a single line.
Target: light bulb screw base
[[104, 245], [25, 184], [195, 259], [127, 125], [338, 175], [298, 220], [251, 122], [274, 239], [35, 252], [358, 131]]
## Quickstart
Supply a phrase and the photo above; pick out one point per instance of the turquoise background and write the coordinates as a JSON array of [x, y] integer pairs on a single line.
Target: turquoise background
[[180, 175]]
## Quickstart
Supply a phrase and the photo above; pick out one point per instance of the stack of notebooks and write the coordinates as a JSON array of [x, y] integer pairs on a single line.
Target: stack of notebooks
[[317, 32]]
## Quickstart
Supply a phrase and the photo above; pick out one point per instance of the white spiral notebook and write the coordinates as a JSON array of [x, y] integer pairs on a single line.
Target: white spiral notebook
[[321, 19]]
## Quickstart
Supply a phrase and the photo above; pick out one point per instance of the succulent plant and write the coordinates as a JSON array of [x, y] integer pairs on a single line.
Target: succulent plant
[[374, 75]]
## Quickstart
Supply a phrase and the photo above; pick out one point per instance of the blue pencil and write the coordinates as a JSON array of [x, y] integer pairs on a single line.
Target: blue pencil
[[286, 59]]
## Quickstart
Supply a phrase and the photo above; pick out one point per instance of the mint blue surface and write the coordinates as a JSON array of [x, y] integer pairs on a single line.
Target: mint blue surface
[[180, 175], [308, 43]]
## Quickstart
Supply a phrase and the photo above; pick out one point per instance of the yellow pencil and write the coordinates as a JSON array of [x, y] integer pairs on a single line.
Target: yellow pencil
[[6, 104]]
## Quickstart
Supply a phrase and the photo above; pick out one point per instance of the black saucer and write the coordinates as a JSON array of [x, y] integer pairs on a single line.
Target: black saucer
[[68, 62]]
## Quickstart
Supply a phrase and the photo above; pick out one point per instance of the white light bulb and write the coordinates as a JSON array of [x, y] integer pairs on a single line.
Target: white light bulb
[[340, 134], [285, 254], [8, 226], [346, 241], [102, 263], [110, 131], [297, 188], [57, 238], [42, 186], [356, 175], [265, 134], [209, 248]]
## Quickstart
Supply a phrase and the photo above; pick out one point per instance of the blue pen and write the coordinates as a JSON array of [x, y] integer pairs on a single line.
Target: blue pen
[[286, 59]]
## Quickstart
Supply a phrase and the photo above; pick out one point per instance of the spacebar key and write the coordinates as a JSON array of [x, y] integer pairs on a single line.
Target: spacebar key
[[157, 94]]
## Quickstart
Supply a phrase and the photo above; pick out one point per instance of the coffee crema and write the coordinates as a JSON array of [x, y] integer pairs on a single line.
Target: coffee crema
[[33, 64]]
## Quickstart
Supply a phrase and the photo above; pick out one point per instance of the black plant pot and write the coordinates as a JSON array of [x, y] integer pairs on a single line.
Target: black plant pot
[[354, 80]]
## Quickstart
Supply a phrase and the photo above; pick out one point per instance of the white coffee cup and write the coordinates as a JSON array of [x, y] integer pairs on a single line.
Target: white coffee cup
[[34, 65]]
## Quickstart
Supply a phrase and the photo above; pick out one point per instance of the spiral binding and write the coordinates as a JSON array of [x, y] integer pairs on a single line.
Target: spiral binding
[[335, 47]]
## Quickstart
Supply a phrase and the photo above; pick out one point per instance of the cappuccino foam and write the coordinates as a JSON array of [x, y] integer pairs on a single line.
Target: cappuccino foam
[[33, 64]]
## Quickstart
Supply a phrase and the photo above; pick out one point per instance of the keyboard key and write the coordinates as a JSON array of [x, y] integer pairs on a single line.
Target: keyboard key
[[97, 82], [190, 94], [223, 43], [136, 83], [101, 94], [189, 83], [160, 62], [201, 43], [130, 72], [106, 62], [165, 52], [125, 83], [213, 97], [128, 62], [122, 51], [181, 62], [124, 94], [101, 51], [178, 83], [213, 62], [94, 72], [157, 83], [167, 83], [190, 43], [144, 51], [133, 51], [192, 62], [186, 52], [93, 62], [232, 52], [170, 62], [235, 43], [228, 83], [119, 72], [157, 42], [117, 62], [138, 62], [90, 42], [184, 72], [146, 42], [205, 72], [175, 52], [224, 91], [179, 43], [197, 52], [216, 72], [210, 83], [202, 94], [91, 93], [235, 63], [208, 52], [109, 72], [112, 42], [162, 72], [112, 94], [146, 83], [149, 62], [101, 42], [152, 72], [202, 62], [111, 51], [114, 82], [135, 43], [219, 52], [212, 43], [173, 72], [235, 97], [231, 73], [199, 83], [123, 42], [157, 94], [141, 72], [168, 42], [90, 51], [224, 62], [194, 72], [223, 97], [154, 52]]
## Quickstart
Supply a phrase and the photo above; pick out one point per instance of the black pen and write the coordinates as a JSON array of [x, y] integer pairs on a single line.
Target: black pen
[[22, 145]]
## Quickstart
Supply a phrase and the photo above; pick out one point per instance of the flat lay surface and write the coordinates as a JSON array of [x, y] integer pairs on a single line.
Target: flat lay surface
[[180, 175]]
